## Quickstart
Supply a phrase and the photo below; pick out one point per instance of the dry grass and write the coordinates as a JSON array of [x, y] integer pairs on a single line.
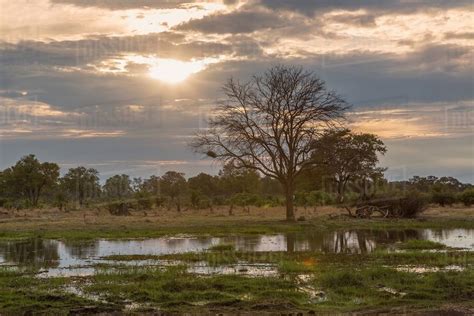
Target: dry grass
[[46, 219]]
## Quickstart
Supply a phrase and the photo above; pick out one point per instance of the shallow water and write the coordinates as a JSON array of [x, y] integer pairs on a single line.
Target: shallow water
[[55, 257]]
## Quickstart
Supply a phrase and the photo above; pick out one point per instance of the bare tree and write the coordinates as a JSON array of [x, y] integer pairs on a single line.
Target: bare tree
[[269, 124]]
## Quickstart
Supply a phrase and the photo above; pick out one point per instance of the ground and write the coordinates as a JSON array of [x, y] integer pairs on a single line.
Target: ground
[[99, 223], [306, 282]]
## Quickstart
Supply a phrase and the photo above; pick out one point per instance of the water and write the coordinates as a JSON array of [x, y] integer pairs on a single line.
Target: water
[[65, 258]]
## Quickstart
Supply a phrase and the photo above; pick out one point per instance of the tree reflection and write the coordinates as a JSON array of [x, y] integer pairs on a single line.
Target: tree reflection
[[36, 253]]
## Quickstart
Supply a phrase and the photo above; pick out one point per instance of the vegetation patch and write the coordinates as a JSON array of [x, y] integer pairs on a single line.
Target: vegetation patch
[[421, 244], [22, 293], [174, 289], [222, 247]]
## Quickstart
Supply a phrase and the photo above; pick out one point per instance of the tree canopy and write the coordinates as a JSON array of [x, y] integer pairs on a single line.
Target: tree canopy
[[270, 123], [344, 156], [29, 178]]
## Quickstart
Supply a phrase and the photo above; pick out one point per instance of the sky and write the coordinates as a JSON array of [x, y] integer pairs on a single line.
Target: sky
[[122, 86]]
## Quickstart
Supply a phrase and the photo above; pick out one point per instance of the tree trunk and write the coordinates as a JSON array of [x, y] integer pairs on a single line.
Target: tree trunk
[[178, 205], [290, 213]]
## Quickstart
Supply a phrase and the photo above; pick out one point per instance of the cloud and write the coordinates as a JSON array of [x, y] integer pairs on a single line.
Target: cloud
[[80, 87], [415, 120], [242, 21], [310, 7], [361, 20], [128, 4], [462, 35]]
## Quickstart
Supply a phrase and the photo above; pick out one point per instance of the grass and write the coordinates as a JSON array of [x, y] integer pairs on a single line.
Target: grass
[[378, 287], [22, 293], [82, 225], [297, 267], [349, 282], [222, 248], [421, 244], [174, 289]]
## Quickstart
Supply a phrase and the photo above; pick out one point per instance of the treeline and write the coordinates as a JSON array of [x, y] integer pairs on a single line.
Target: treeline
[[31, 184]]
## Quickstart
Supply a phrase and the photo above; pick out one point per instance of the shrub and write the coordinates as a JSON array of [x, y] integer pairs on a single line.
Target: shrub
[[408, 206], [467, 197], [119, 208], [443, 198], [204, 202], [144, 203], [160, 201], [317, 198], [412, 205], [246, 199]]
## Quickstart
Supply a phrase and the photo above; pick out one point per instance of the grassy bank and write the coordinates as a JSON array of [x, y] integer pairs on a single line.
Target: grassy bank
[[90, 225]]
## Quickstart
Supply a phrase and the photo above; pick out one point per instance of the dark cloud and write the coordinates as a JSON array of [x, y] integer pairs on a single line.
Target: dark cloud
[[363, 20], [127, 4], [311, 6], [462, 35], [243, 21], [77, 53]]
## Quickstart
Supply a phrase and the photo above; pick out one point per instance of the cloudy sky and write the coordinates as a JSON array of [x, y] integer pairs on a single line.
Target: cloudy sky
[[122, 85]]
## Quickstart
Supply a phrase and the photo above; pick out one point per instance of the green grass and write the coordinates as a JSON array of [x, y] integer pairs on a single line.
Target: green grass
[[174, 289], [296, 267], [351, 282], [22, 293], [131, 257], [421, 244], [222, 247], [350, 289]]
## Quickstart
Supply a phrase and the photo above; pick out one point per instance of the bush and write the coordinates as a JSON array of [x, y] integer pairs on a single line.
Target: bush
[[313, 198], [443, 198], [160, 201], [319, 198], [144, 203], [412, 205], [467, 197], [408, 206], [119, 208], [246, 199]]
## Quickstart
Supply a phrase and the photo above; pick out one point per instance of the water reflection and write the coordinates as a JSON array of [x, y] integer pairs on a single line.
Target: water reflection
[[41, 253], [32, 252]]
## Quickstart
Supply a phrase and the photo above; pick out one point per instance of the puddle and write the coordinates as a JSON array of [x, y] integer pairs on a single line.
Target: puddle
[[254, 270], [423, 269], [62, 258]]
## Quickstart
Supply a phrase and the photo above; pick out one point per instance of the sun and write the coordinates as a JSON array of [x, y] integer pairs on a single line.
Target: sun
[[175, 71]]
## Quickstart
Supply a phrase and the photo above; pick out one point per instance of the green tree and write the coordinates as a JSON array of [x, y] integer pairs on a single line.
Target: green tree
[[233, 180], [28, 178], [422, 184], [118, 186], [82, 183], [204, 184], [173, 184], [152, 185], [347, 156], [467, 197]]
